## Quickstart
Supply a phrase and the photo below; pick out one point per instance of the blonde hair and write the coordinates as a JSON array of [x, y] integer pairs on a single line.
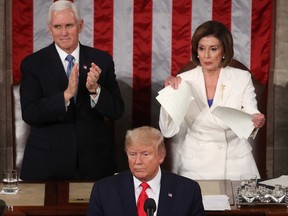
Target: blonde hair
[[146, 135]]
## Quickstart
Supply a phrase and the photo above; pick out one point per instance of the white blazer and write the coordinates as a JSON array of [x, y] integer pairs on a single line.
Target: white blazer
[[205, 147]]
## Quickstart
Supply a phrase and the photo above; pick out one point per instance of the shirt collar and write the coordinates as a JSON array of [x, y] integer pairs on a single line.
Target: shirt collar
[[63, 54], [153, 183]]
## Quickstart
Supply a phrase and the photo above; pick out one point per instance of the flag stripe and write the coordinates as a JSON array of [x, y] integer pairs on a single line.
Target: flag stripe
[[161, 41], [240, 29], [123, 40], [123, 57], [22, 34], [142, 50], [103, 25], [201, 12], [261, 39], [87, 12], [222, 12], [181, 34], [40, 34], [161, 49]]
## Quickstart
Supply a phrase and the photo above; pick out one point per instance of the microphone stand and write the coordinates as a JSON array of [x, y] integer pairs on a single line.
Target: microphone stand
[[150, 212]]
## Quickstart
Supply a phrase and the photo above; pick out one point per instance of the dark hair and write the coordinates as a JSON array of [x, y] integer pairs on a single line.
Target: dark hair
[[218, 30]]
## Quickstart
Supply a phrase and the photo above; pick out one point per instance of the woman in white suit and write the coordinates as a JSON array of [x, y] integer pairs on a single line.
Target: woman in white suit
[[208, 148]]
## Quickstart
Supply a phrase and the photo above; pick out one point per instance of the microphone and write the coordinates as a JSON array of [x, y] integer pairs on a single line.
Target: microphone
[[150, 206]]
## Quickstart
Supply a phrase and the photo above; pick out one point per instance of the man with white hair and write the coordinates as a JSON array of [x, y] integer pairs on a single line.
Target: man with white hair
[[67, 93]]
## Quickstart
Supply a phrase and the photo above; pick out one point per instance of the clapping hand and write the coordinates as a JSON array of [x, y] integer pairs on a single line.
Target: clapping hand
[[72, 83], [93, 77]]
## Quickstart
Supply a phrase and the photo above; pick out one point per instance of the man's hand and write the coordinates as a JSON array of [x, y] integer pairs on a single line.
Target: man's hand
[[72, 83], [92, 78]]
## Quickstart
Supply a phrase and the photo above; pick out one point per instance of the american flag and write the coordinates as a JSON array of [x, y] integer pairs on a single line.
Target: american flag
[[150, 40]]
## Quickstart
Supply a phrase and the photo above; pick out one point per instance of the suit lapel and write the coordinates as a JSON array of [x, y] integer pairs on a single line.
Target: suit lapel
[[199, 84], [166, 196], [83, 70], [57, 70], [127, 194], [223, 89]]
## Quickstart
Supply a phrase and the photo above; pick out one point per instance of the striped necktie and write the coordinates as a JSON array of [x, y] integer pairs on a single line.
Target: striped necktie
[[70, 59]]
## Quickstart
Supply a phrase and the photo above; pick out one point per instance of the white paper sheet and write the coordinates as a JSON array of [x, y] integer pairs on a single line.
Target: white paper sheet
[[176, 101], [282, 180], [239, 121], [216, 202]]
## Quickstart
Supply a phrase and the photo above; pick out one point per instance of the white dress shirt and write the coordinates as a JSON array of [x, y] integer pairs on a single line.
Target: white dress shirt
[[153, 191]]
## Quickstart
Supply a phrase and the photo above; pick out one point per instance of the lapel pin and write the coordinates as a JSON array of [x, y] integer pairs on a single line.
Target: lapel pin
[[222, 87], [85, 67], [170, 194]]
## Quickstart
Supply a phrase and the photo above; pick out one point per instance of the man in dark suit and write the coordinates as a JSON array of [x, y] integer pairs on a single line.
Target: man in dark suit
[[120, 194], [70, 137]]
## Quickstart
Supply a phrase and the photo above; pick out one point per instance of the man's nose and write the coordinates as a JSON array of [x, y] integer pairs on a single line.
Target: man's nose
[[138, 159], [64, 30]]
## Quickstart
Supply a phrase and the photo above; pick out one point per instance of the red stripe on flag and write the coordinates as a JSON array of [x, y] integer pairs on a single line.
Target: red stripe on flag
[[222, 10], [181, 34], [142, 61], [103, 25], [261, 39], [22, 35]]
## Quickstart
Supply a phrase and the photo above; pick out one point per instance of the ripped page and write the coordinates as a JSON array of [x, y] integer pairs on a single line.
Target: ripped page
[[239, 121], [176, 101]]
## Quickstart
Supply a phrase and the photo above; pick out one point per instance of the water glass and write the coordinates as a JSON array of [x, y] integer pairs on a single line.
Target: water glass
[[248, 180], [10, 181]]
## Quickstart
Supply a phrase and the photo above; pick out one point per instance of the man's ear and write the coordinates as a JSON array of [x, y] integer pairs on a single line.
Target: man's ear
[[161, 157], [81, 24]]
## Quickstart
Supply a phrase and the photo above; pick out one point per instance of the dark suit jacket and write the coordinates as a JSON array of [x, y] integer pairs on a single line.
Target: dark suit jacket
[[114, 195], [63, 143]]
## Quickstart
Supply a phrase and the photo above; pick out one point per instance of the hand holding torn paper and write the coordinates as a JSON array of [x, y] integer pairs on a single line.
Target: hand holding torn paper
[[176, 101], [239, 121]]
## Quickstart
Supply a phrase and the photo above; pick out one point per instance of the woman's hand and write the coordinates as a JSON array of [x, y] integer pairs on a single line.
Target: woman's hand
[[258, 120], [174, 82]]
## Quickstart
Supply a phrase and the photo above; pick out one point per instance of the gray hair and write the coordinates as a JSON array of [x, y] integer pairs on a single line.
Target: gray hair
[[63, 5]]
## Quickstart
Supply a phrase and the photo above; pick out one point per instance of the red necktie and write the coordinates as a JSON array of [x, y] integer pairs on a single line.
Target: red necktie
[[141, 199]]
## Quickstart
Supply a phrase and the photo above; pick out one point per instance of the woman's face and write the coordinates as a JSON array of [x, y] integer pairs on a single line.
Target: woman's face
[[210, 53]]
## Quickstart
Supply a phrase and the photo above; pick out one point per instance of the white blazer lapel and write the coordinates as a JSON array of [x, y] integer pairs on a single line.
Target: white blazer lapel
[[223, 89], [196, 79]]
